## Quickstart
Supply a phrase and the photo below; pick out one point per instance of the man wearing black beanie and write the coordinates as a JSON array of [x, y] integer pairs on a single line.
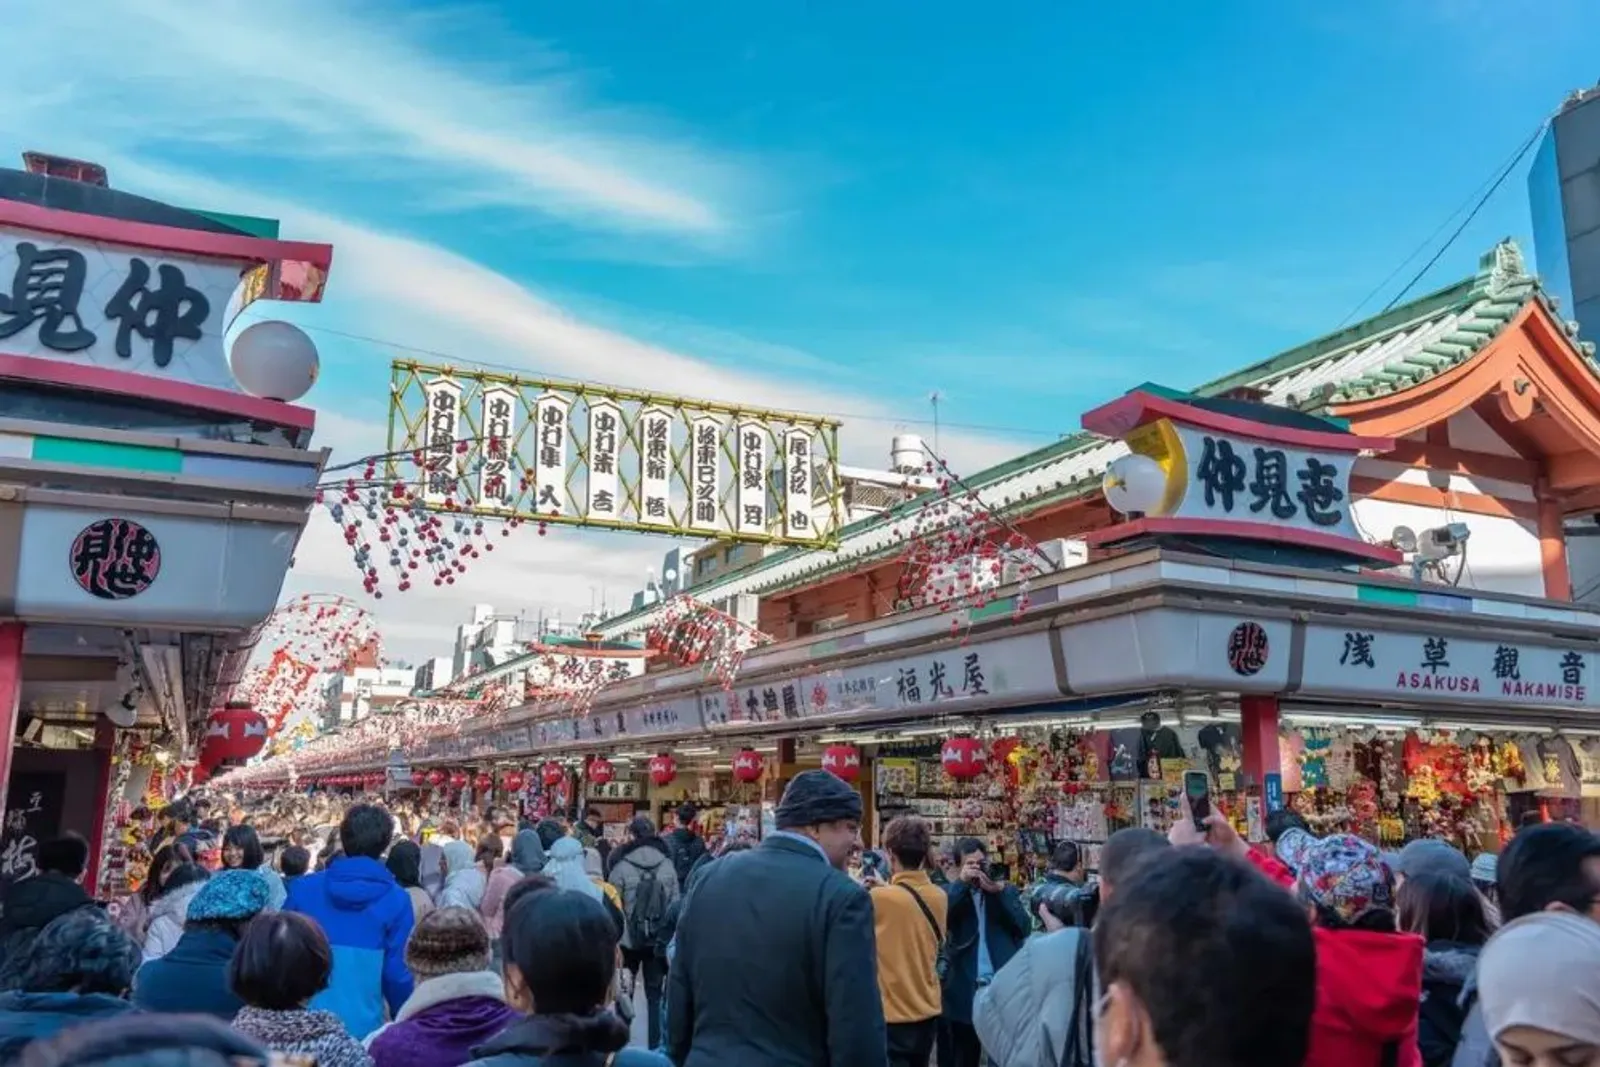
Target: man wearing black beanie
[[777, 960]]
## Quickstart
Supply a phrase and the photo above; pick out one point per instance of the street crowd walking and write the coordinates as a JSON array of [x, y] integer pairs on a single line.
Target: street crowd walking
[[404, 940]]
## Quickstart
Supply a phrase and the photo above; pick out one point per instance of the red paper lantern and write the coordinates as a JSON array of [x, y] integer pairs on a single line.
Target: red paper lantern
[[484, 782], [601, 771], [435, 777], [663, 769], [234, 733], [964, 757], [843, 761], [513, 781], [458, 779], [748, 765], [553, 774]]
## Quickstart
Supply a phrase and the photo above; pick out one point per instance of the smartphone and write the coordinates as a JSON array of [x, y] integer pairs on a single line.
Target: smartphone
[[874, 862], [1197, 787]]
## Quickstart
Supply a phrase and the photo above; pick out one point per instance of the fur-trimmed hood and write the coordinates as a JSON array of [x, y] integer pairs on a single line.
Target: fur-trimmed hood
[[1449, 962]]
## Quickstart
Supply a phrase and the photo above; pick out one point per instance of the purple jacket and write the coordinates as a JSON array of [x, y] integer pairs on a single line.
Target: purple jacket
[[444, 1019]]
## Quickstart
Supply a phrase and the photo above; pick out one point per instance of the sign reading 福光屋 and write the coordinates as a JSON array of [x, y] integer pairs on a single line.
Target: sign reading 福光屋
[[114, 306], [1419, 665], [1200, 468], [1014, 669]]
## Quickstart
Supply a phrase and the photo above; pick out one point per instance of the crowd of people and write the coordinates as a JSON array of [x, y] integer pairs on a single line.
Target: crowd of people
[[404, 939]]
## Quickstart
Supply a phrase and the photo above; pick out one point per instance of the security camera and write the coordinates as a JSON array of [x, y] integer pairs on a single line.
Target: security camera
[[1442, 542]]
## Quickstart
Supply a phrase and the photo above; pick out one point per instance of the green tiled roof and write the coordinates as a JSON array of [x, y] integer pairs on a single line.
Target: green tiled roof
[[1387, 353]]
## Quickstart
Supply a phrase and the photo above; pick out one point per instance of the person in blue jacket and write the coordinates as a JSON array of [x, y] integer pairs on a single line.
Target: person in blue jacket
[[367, 917]]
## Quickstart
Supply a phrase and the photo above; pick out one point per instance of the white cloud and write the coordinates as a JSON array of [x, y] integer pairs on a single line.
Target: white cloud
[[359, 91]]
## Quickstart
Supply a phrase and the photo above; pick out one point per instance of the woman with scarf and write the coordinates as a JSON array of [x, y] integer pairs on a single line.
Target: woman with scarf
[[405, 863], [282, 961], [1539, 985], [463, 881]]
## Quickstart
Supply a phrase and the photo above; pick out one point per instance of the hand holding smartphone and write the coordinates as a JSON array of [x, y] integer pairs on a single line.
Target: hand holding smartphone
[[1197, 790]]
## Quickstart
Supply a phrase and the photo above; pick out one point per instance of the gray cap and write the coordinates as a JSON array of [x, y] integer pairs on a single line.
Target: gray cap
[[1431, 856], [1486, 868]]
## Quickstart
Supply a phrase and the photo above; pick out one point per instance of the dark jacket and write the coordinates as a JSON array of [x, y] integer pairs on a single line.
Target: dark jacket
[[1446, 966], [446, 1018], [30, 905], [686, 848], [26, 1017], [1007, 926], [528, 1044], [628, 867], [192, 979], [775, 965]]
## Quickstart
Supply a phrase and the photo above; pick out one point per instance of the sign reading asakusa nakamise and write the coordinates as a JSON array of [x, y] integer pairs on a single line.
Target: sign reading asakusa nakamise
[[1197, 468], [1360, 660], [115, 306]]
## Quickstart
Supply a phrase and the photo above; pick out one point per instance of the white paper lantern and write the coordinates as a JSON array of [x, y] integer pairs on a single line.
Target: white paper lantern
[[275, 360], [1134, 483]]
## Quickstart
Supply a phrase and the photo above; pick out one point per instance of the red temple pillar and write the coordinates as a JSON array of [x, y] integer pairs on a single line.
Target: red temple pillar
[[10, 697], [1258, 717]]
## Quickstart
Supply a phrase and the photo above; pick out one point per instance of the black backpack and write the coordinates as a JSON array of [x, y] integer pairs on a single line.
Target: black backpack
[[684, 855], [647, 919]]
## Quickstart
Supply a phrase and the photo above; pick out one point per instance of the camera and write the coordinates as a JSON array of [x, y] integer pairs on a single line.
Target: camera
[[1073, 904]]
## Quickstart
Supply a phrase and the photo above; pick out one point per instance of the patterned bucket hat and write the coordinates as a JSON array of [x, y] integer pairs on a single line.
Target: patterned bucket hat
[[1347, 876], [1292, 846]]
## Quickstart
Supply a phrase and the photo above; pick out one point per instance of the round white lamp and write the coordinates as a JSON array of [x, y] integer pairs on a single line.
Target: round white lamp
[[275, 360], [1134, 483]]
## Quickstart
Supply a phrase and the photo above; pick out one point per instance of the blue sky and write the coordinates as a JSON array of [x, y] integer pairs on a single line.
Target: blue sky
[[840, 207]]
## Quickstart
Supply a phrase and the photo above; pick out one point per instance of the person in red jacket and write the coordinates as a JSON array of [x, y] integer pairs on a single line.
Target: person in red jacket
[[1369, 977]]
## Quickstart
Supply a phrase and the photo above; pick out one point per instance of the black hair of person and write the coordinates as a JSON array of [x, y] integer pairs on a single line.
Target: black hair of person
[[66, 854], [1065, 856], [687, 813], [1442, 907], [405, 863], [282, 961], [639, 828], [366, 831], [1188, 912], [528, 883], [184, 874], [246, 840], [1282, 821], [968, 845], [1545, 865], [550, 831], [295, 861], [490, 851], [564, 947], [1125, 851]]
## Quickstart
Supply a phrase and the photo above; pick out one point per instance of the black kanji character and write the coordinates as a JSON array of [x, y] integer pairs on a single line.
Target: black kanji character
[[114, 559], [1318, 494], [172, 311], [907, 686], [769, 700], [1505, 663], [972, 682], [1572, 669], [752, 704], [1270, 486], [1357, 650], [1434, 653], [791, 703], [936, 681], [46, 289], [1221, 472]]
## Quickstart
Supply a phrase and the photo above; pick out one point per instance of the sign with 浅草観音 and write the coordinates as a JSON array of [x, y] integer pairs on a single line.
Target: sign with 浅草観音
[[1204, 471], [1355, 660], [496, 446]]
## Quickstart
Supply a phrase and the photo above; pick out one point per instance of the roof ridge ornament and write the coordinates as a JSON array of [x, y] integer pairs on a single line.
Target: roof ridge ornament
[[1501, 267]]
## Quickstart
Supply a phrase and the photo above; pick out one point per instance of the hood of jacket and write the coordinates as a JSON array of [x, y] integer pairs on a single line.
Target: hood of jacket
[[1368, 988], [35, 902], [646, 853], [440, 991], [527, 852], [357, 882], [1449, 962], [174, 905], [75, 1005]]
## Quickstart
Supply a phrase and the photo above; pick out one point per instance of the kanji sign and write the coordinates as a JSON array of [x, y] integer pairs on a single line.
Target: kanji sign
[[586, 455], [115, 559], [1358, 660], [114, 306]]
